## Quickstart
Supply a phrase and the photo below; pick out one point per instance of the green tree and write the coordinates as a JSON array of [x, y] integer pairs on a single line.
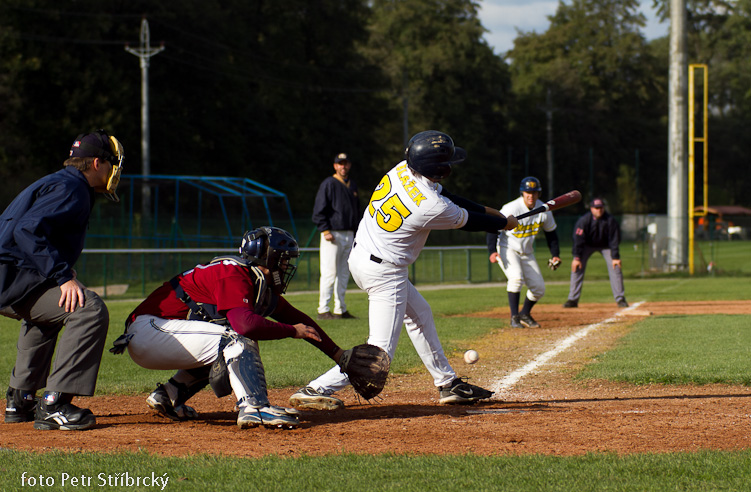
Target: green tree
[[435, 58], [596, 74]]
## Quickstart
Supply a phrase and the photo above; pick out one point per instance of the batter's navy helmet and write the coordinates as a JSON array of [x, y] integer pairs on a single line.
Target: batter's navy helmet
[[431, 153], [274, 249], [530, 184]]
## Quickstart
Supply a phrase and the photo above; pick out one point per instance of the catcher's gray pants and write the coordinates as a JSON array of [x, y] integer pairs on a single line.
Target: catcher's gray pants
[[615, 274], [79, 348]]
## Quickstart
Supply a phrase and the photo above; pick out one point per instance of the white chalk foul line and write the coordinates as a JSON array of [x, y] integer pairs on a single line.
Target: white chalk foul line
[[507, 382]]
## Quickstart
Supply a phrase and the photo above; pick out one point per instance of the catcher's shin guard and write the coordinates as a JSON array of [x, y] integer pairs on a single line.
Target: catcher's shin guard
[[246, 374]]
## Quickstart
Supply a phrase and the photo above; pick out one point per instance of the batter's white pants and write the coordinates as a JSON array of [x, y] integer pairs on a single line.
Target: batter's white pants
[[393, 301], [334, 271], [521, 269]]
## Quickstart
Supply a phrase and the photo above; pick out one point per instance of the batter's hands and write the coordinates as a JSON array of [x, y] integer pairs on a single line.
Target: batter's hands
[[72, 295], [511, 223], [494, 257], [576, 264], [306, 332], [554, 263]]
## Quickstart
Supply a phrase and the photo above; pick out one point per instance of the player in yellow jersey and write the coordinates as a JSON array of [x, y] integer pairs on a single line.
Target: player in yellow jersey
[[514, 252]]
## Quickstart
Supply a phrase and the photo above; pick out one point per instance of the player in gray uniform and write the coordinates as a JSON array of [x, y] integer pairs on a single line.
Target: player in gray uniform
[[514, 252], [42, 235], [595, 231], [406, 205]]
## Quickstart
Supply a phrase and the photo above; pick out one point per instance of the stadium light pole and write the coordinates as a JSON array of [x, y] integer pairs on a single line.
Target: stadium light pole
[[144, 52], [677, 128]]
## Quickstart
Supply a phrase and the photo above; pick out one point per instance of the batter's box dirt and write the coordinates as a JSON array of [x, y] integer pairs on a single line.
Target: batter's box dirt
[[546, 412]]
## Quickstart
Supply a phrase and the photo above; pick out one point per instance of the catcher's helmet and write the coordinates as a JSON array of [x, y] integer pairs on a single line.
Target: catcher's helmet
[[530, 184], [431, 154], [274, 249]]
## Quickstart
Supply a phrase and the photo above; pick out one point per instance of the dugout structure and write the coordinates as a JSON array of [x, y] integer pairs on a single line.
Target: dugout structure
[[165, 211]]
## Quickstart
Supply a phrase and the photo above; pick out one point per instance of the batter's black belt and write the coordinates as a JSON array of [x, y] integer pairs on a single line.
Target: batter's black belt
[[373, 258]]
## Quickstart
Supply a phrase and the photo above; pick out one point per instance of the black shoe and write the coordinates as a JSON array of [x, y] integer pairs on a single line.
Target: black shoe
[[326, 315], [160, 401], [20, 406], [571, 304], [52, 413], [622, 303], [515, 323], [528, 321], [346, 315], [460, 391]]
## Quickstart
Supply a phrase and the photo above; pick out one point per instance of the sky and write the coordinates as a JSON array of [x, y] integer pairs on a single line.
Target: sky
[[503, 17]]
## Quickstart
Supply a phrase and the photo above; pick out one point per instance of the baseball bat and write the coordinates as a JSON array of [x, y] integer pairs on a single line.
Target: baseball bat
[[558, 202]]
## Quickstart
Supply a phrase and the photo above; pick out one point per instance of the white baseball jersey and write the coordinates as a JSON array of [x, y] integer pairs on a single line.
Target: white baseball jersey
[[521, 239], [402, 211]]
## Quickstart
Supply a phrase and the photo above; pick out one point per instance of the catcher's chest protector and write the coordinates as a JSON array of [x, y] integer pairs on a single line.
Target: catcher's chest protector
[[264, 303]]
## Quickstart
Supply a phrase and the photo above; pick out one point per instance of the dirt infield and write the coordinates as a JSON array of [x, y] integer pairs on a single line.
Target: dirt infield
[[544, 412]]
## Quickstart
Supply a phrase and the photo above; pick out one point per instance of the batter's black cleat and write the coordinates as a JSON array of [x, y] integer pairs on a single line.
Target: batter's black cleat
[[461, 392], [622, 303], [515, 322], [311, 399], [571, 304], [55, 412], [528, 321], [20, 406]]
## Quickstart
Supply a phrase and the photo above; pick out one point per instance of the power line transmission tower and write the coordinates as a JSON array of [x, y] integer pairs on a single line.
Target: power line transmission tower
[[144, 52]]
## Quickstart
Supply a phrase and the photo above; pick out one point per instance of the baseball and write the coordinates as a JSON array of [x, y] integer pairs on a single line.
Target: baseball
[[471, 356]]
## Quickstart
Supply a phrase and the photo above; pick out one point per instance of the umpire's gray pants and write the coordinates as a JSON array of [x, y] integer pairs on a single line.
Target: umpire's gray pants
[[80, 348], [615, 274]]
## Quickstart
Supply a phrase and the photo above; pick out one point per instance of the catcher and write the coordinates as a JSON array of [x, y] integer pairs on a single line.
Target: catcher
[[206, 323]]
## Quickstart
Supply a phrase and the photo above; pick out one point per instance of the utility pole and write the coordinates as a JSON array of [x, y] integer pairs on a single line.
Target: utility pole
[[549, 151], [677, 127], [144, 53]]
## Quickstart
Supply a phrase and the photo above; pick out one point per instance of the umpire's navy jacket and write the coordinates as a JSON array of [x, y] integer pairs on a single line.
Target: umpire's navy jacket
[[42, 233], [603, 233]]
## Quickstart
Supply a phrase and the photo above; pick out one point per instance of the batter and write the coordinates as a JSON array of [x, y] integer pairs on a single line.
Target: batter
[[406, 205]]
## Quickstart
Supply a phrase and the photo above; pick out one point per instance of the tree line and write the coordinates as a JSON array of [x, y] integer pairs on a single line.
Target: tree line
[[273, 90]]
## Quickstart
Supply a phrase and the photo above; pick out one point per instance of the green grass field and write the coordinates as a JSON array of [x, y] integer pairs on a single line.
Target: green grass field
[[658, 349]]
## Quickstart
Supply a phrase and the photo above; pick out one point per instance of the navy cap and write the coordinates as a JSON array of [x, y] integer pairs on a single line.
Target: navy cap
[[597, 203], [341, 158], [95, 144]]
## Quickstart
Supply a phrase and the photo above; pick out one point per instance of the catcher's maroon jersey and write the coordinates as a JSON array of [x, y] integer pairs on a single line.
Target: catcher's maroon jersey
[[224, 284]]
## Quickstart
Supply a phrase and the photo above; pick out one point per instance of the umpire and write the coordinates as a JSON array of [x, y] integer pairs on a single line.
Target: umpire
[[42, 235], [596, 230]]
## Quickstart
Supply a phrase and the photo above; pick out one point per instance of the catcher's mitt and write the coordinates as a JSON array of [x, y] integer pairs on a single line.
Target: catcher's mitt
[[554, 263], [367, 367]]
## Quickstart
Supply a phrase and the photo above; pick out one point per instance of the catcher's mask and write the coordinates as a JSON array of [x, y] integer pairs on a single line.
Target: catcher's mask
[[100, 144], [431, 153], [274, 249]]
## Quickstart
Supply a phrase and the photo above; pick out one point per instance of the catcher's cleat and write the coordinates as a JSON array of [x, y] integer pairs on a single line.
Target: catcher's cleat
[[571, 304], [461, 392], [310, 398], [272, 417], [528, 321], [622, 303], [159, 400], [20, 406], [55, 412], [515, 322]]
